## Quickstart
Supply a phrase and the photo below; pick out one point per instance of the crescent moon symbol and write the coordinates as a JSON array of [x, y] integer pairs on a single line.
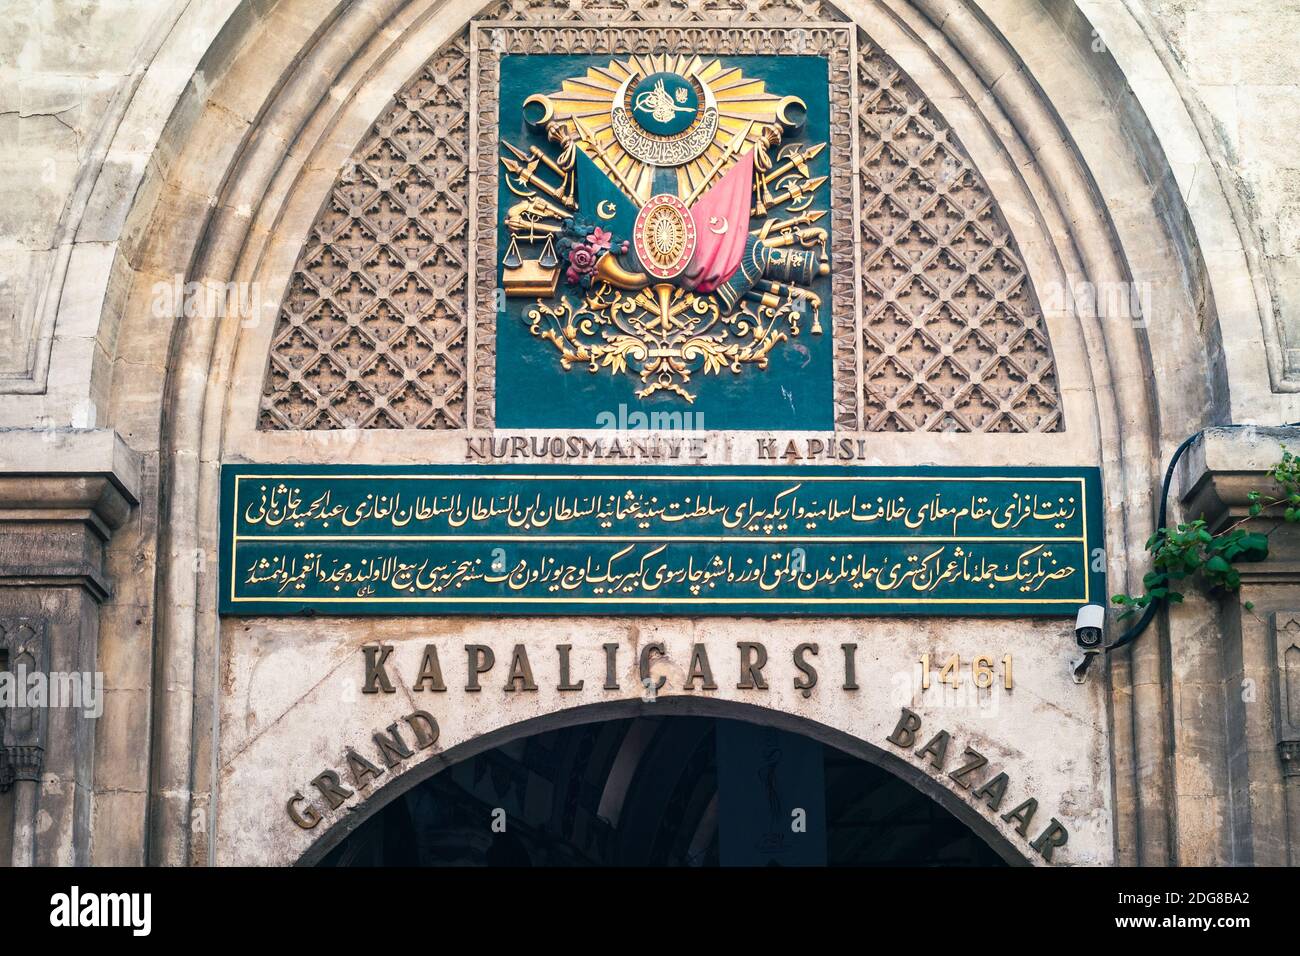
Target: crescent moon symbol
[[713, 224], [600, 209], [548, 109], [785, 107]]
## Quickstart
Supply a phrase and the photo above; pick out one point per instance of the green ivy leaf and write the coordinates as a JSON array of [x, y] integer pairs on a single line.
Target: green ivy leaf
[[1191, 549], [1217, 565]]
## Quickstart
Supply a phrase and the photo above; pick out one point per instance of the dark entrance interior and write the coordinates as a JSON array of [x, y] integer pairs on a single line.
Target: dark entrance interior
[[664, 791]]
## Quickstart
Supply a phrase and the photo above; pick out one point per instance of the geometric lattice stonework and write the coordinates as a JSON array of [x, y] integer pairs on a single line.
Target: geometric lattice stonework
[[953, 337], [372, 332]]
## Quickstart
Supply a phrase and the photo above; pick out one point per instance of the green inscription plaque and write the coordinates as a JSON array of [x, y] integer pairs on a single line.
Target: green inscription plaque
[[512, 539]]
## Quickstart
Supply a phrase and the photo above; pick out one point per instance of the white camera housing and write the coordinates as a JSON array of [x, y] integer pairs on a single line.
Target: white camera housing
[[1090, 627]]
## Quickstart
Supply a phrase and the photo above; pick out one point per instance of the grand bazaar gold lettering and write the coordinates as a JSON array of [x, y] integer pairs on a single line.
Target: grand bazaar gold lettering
[[970, 773]]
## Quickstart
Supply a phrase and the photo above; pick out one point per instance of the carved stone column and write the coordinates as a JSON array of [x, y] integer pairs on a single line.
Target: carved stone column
[[1289, 751], [24, 645], [1286, 632], [62, 495], [1255, 646]]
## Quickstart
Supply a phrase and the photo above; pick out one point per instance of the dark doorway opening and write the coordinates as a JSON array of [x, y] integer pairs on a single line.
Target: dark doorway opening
[[663, 791]]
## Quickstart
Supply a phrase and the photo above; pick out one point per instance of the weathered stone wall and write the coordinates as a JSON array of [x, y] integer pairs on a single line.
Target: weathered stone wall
[[67, 69], [146, 141], [1238, 61], [294, 705]]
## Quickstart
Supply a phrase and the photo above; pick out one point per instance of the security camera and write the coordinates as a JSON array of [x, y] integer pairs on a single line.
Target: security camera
[[1089, 633], [1090, 627]]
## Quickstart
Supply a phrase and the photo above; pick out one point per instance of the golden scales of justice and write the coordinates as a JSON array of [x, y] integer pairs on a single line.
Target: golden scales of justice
[[532, 277]]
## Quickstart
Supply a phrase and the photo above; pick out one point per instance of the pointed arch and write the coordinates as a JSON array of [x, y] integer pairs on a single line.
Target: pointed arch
[[909, 773], [943, 331]]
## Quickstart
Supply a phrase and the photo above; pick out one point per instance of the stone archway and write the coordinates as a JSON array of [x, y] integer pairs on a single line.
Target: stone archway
[[917, 779], [304, 713], [249, 156]]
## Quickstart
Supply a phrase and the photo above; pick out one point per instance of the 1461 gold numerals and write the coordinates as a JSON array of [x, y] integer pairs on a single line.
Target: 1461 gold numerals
[[983, 671]]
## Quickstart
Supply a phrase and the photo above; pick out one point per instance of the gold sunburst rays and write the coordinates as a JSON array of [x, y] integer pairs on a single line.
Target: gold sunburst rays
[[743, 105]]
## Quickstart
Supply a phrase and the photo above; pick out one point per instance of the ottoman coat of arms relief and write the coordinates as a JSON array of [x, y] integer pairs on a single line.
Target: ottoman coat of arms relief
[[664, 218]]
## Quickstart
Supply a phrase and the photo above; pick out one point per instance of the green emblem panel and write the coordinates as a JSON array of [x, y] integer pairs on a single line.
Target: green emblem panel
[[663, 237], [547, 539]]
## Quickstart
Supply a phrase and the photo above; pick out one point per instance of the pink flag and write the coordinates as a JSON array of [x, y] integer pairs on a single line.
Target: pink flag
[[722, 224]]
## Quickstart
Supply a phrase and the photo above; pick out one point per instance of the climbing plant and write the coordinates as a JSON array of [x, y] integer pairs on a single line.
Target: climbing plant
[[1192, 552]]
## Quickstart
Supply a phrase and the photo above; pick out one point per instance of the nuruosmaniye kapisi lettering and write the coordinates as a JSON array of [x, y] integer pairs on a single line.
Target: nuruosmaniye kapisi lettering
[[637, 434], [562, 448]]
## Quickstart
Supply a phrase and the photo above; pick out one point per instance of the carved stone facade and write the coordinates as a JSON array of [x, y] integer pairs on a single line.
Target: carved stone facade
[[54, 532], [939, 331], [372, 331], [952, 335], [24, 649], [340, 157]]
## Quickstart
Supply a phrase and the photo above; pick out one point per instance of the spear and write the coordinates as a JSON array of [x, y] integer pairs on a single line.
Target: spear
[[533, 155], [527, 174], [735, 144], [603, 157], [797, 191], [794, 160]]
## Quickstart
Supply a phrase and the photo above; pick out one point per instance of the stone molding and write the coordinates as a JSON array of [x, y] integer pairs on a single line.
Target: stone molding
[[62, 495], [1286, 639], [1221, 469]]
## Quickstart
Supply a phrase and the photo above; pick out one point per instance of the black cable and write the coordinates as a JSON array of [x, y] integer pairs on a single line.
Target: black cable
[[1148, 615]]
